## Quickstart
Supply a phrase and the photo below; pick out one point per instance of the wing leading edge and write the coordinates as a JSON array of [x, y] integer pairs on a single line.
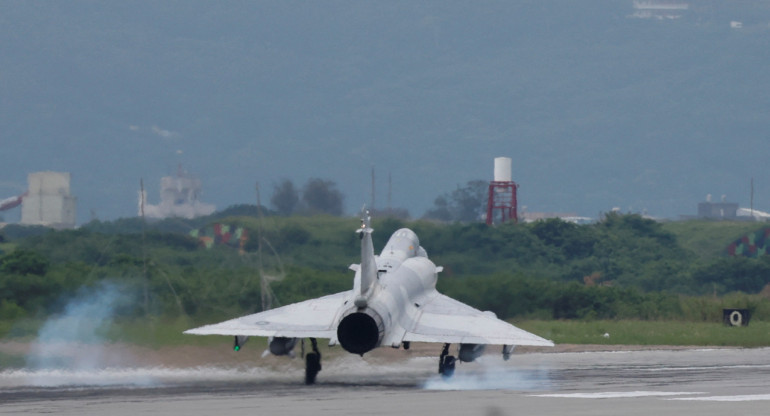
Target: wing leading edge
[[443, 319], [314, 318]]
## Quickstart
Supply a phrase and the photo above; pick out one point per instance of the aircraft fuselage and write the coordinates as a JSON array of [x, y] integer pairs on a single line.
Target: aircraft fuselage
[[405, 278]]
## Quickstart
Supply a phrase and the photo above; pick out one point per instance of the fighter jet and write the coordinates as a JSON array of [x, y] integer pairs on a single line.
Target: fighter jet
[[393, 303]]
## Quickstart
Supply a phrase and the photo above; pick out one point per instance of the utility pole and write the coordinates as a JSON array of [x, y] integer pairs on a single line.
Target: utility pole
[[372, 206], [752, 199], [263, 284], [144, 250], [390, 190]]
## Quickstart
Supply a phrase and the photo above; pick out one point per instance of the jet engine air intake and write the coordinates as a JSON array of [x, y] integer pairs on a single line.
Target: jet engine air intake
[[360, 330]]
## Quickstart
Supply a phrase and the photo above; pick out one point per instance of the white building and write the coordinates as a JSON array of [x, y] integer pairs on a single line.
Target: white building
[[659, 9], [49, 201], [179, 197]]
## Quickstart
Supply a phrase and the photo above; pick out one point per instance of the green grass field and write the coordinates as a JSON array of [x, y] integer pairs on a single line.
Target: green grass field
[[675, 333], [155, 333], [151, 332]]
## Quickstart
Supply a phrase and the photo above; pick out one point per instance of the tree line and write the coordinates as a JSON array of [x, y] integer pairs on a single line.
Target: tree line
[[466, 203], [624, 266], [317, 196]]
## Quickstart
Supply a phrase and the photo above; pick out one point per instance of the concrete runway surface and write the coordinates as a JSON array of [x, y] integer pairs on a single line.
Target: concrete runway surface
[[648, 382]]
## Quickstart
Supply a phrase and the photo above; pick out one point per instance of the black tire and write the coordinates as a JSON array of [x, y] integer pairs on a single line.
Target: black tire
[[312, 367], [448, 366]]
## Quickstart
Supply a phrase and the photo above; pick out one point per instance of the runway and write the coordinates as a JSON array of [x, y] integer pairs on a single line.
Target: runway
[[655, 382]]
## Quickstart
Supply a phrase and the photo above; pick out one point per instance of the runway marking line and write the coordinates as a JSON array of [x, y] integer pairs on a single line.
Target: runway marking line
[[615, 394], [740, 398]]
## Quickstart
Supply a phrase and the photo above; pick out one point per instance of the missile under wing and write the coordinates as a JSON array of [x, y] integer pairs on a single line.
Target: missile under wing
[[393, 302]]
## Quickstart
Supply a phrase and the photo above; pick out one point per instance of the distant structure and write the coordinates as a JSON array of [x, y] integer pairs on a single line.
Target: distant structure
[[501, 202], [717, 210], [564, 216], [724, 210], [11, 202], [48, 200], [753, 214], [659, 9], [179, 197]]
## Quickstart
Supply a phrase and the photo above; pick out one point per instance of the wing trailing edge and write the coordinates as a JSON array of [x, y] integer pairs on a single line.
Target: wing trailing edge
[[446, 320], [314, 318]]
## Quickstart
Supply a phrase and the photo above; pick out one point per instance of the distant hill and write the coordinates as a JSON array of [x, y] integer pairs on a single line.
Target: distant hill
[[709, 239]]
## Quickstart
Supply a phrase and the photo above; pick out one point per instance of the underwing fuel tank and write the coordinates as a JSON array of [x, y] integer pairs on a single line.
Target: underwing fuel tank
[[469, 352], [282, 345]]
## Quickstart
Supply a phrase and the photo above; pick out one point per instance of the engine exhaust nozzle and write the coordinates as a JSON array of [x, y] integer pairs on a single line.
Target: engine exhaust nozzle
[[360, 330]]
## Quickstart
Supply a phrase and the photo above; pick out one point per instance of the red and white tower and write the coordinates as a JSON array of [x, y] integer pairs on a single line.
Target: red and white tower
[[501, 203]]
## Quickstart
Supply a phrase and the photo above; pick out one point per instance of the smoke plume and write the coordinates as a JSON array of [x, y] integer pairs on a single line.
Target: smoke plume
[[493, 376], [75, 340]]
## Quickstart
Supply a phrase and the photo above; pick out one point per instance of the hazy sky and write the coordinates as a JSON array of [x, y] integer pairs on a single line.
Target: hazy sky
[[597, 108]]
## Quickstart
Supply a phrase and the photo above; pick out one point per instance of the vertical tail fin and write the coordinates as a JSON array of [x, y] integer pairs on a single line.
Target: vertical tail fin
[[368, 264]]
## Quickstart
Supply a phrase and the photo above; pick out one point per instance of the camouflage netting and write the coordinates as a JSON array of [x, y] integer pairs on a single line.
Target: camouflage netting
[[750, 245], [221, 234]]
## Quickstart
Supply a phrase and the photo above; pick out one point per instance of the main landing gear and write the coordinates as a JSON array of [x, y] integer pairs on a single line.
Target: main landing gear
[[312, 363], [446, 363]]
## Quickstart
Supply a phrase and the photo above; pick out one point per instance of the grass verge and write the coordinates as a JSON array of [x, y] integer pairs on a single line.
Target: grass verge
[[163, 332], [628, 332]]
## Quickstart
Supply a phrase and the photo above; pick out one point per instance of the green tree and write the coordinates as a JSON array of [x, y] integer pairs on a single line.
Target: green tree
[[734, 274], [440, 210], [285, 197], [322, 197], [24, 262], [573, 240], [464, 204]]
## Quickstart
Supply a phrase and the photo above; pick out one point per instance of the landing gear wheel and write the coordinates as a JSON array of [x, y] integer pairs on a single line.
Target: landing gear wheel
[[312, 363], [448, 366], [312, 367]]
